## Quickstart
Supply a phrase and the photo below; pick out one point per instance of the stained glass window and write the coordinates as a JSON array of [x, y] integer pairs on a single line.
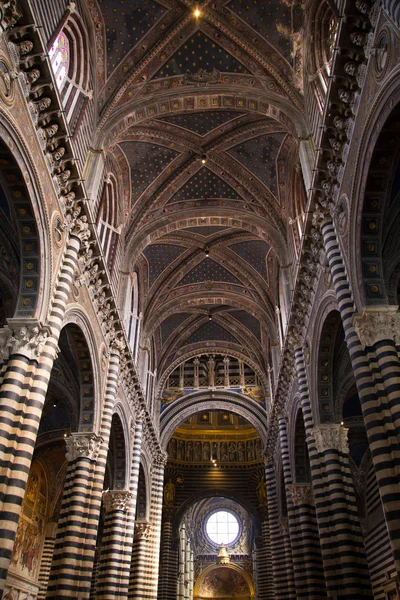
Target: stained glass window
[[330, 39], [59, 57]]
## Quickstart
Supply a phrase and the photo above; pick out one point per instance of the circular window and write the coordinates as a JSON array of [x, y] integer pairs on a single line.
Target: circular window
[[223, 527]]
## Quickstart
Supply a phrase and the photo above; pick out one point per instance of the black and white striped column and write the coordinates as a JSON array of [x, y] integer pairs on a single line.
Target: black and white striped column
[[167, 588], [82, 501], [279, 565], [139, 568], [116, 546], [380, 404], [117, 541], [22, 395]]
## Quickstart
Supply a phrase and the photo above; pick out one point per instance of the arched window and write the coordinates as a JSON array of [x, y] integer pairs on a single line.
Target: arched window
[[107, 222], [68, 52], [59, 57], [326, 29]]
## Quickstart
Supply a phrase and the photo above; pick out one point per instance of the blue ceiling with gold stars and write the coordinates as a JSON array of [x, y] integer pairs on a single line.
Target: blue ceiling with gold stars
[[159, 256], [207, 230], [203, 123], [146, 161], [254, 252], [200, 52], [204, 184], [126, 24], [211, 331], [263, 17], [171, 323], [208, 270], [248, 321], [259, 156]]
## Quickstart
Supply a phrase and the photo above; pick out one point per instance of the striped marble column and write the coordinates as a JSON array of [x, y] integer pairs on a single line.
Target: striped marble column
[[279, 565], [138, 566], [22, 395], [167, 588], [145, 566], [380, 405], [45, 561], [346, 572], [303, 570], [117, 541], [80, 511], [115, 555], [265, 581]]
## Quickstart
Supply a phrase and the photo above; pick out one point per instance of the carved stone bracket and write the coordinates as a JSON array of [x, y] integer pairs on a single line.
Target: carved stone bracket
[[301, 493], [376, 324], [117, 500], [83, 445], [142, 530], [331, 437], [22, 336]]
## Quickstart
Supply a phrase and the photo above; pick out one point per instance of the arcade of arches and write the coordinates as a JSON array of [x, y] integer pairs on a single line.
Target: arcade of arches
[[199, 299]]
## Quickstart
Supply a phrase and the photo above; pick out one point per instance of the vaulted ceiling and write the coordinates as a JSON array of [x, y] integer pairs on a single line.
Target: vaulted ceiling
[[201, 117]]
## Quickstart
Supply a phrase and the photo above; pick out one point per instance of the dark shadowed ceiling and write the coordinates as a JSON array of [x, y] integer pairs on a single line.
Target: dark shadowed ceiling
[[201, 115]]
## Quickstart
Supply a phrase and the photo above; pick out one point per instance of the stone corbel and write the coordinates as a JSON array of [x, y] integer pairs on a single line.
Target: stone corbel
[[83, 445], [377, 323], [331, 437], [117, 500]]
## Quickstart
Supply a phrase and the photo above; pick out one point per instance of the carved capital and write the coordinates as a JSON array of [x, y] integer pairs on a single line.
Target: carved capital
[[79, 228], [160, 458], [142, 530], [22, 336], [331, 437], [301, 493], [83, 445], [376, 324], [117, 500], [283, 525]]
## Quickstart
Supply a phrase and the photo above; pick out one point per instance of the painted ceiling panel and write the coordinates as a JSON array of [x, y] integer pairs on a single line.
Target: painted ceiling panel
[[259, 156], [248, 321], [126, 24], [204, 122], [159, 256], [207, 230], [208, 270], [264, 17], [211, 331], [254, 252], [204, 184], [147, 161], [171, 323], [200, 52]]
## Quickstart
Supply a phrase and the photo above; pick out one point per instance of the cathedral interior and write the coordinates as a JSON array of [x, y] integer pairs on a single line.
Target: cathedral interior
[[199, 299]]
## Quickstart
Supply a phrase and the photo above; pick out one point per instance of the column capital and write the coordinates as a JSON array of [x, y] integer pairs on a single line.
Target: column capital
[[22, 336], [120, 500], [160, 458], [331, 437], [83, 445], [377, 323], [301, 493], [142, 530]]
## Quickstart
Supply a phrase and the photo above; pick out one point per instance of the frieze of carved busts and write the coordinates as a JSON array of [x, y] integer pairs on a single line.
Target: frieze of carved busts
[[83, 445], [301, 493], [23, 337], [377, 324], [117, 500], [331, 437]]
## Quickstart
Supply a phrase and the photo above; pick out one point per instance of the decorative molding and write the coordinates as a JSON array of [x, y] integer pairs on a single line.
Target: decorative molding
[[331, 437], [301, 493], [117, 500], [83, 445], [376, 324]]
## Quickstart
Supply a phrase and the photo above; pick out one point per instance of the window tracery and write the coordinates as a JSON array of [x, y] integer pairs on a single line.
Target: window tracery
[[60, 58]]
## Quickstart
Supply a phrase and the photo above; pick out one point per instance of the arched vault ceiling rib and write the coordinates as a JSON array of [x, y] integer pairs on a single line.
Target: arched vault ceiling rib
[[157, 228]]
